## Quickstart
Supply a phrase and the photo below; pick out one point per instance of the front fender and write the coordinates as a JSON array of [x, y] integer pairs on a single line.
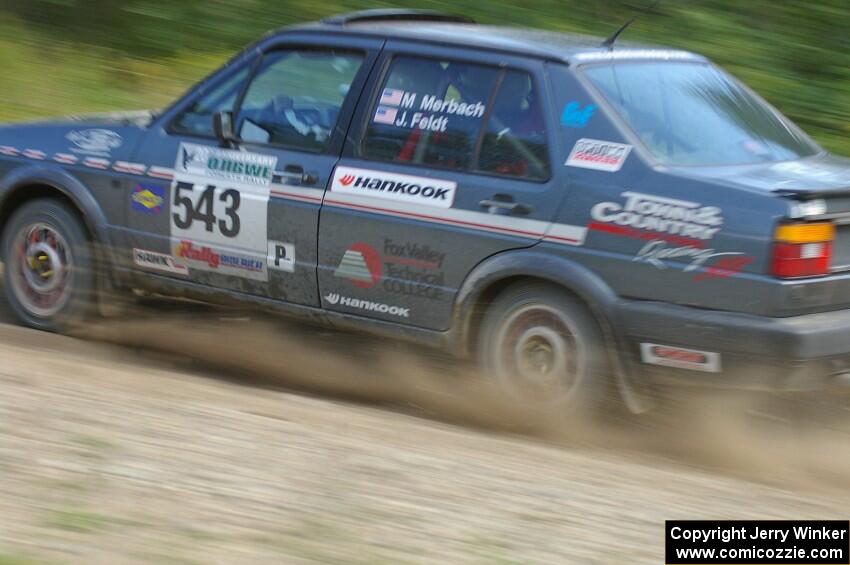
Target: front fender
[[62, 181], [561, 271], [59, 179]]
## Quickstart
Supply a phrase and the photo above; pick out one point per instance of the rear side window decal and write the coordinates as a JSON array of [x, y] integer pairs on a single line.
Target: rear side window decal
[[459, 116]]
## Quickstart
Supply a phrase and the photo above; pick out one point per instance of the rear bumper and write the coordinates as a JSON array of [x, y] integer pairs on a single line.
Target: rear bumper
[[796, 353]]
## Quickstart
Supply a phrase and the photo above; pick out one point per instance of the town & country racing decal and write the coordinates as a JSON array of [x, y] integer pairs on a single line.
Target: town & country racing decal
[[674, 229], [680, 219]]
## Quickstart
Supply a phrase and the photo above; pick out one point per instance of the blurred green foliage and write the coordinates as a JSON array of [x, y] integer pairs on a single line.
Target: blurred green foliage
[[62, 56]]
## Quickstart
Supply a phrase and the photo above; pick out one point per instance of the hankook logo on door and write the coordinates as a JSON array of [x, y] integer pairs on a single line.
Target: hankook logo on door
[[392, 186]]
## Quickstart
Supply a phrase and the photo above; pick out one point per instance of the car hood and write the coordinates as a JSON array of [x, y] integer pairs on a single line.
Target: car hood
[[812, 177], [110, 136]]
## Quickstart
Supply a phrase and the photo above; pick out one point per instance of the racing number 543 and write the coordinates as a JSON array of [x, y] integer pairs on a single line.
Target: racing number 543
[[204, 210]]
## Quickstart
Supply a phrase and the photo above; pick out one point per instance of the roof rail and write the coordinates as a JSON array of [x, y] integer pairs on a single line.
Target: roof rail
[[395, 16]]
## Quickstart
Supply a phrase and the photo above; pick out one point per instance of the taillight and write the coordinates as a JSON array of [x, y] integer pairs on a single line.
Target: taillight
[[803, 250]]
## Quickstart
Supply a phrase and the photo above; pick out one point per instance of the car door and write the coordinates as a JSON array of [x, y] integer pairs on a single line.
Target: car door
[[448, 163], [243, 216]]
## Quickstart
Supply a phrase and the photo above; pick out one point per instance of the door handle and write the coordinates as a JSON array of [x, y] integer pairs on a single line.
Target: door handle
[[504, 204], [296, 175]]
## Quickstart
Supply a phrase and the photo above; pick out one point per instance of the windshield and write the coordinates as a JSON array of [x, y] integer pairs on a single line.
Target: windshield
[[694, 114]]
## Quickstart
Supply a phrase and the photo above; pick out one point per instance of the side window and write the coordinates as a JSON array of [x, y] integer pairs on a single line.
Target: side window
[[515, 140], [459, 116], [430, 112], [295, 98], [197, 119]]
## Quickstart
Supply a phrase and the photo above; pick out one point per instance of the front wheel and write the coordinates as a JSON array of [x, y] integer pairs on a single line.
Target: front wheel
[[48, 270], [543, 348]]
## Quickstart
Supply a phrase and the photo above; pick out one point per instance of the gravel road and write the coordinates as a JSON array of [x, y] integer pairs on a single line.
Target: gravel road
[[113, 454]]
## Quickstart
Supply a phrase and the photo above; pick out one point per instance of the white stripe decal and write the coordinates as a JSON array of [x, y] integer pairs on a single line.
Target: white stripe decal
[[96, 163], [566, 233], [519, 227], [34, 154], [296, 193], [161, 173], [132, 168], [9, 150], [65, 158]]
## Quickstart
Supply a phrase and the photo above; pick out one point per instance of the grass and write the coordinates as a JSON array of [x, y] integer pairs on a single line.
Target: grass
[[39, 82], [92, 442], [14, 559], [78, 521]]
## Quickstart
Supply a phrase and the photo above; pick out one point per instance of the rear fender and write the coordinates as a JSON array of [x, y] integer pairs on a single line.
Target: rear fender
[[567, 274]]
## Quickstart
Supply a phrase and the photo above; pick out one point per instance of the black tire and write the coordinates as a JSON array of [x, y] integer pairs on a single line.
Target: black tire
[[544, 349], [49, 266]]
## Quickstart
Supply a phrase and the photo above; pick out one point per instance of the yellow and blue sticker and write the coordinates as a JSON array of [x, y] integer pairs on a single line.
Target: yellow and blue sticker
[[148, 198]]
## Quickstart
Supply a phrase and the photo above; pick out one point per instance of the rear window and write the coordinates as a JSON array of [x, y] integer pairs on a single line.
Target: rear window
[[695, 114]]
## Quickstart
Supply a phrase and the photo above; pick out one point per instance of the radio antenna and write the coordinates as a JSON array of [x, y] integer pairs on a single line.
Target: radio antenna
[[609, 43]]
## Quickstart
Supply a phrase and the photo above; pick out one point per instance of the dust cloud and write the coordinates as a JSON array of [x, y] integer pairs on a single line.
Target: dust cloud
[[797, 440]]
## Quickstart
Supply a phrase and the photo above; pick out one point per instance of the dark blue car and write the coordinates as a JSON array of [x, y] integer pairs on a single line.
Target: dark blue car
[[571, 213]]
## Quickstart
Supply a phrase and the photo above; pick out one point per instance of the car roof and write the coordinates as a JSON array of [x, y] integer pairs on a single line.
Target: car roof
[[564, 47]]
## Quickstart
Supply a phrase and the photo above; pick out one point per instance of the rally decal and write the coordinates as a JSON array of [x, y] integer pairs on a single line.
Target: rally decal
[[219, 209], [148, 199], [576, 116], [674, 230], [400, 267], [725, 263], [676, 221], [680, 357], [598, 155], [281, 256], [233, 263], [367, 305], [393, 186], [95, 142], [159, 262], [427, 112]]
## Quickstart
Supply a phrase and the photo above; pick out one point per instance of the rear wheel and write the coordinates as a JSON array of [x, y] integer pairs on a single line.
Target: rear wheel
[[543, 347], [48, 270]]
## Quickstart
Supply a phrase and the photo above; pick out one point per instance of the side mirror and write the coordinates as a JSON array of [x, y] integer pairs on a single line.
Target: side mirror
[[223, 127]]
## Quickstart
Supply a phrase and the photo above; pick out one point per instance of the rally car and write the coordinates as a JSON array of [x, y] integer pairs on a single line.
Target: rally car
[[561, 208]]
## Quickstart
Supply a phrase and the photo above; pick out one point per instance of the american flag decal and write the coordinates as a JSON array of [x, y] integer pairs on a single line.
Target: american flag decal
[[385, 115], [392, 96]]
